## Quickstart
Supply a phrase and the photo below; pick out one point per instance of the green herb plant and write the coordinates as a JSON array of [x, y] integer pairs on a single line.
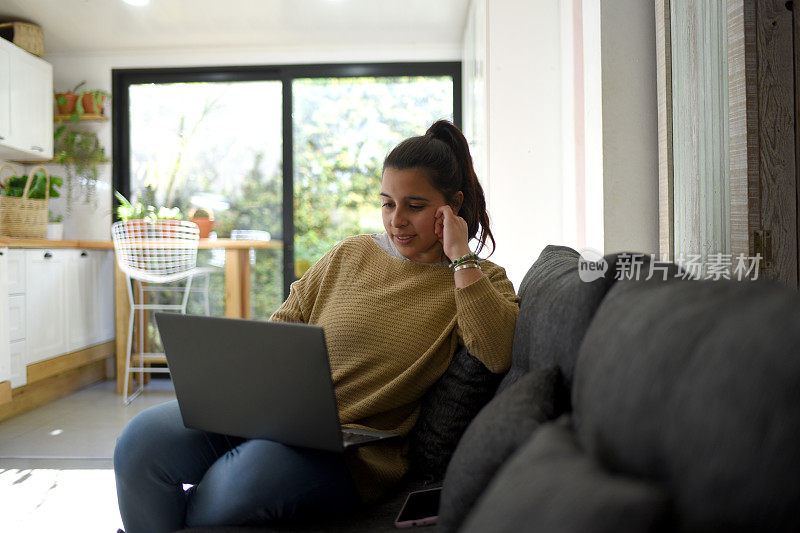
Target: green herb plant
[[15, 186], [127, 210], [80, 152]]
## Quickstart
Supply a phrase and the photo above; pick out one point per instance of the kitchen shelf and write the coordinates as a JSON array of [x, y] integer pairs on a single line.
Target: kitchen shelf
[[86, 117], [54, 162]]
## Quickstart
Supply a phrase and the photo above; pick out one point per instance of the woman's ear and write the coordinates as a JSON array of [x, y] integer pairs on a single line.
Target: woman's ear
[[457, 201]]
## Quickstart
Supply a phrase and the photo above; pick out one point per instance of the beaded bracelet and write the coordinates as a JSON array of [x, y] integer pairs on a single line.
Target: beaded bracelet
[[464, 258], [467, 264]]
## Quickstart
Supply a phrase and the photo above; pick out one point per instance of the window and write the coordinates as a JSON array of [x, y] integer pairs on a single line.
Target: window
[[295, 151]]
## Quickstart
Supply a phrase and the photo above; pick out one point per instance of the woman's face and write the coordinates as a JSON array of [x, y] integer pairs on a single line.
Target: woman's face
[[409, 203]]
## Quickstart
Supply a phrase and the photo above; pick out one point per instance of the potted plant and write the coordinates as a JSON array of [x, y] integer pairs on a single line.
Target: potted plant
[[80, 152], [139, 213], [67, 102], [129, 211], [15, 186], [204, 218], [55, 227], [77, 104], [24, 202]]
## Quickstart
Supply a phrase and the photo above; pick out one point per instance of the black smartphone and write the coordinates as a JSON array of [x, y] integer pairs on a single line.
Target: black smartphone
[[420, 509]]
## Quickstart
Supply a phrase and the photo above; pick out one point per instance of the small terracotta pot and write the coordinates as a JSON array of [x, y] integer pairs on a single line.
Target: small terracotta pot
[[88, 104], [205, 225], [69, 107]]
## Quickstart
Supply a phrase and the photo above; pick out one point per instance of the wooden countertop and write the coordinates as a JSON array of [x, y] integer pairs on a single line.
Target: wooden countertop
[[231, 244]]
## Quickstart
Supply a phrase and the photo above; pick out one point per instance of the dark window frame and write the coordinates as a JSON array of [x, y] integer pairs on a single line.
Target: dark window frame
[[122, 79]]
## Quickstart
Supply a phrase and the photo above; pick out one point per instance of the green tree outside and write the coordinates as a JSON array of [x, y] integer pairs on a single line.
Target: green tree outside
[[343, 129]]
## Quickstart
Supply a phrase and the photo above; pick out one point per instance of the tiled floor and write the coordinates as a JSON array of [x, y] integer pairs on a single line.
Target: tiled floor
[[55, 461], [84, 425]]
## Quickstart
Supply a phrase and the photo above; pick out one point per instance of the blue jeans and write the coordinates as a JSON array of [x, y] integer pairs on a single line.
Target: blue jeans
[[236, 481]]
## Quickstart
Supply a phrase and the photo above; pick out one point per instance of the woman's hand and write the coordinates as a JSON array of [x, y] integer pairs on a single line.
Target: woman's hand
[[452, 231]]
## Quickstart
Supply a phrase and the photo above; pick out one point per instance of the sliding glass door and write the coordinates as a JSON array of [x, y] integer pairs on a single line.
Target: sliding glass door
[[343, 130], [291, 153], [215, 147]]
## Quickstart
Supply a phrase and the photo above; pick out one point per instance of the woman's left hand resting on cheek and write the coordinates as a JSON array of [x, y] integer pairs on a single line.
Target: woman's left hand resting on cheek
[[453, 233]]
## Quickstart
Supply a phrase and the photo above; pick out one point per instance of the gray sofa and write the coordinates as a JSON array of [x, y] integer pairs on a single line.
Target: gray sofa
[[631, 405]]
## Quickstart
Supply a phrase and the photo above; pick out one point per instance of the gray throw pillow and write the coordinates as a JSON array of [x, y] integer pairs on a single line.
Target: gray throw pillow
[[496, 433], [551, 485], [446, 411], [556, 307]]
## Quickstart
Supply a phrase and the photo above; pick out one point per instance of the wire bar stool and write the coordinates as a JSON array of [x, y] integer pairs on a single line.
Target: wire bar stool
[[158, 255]]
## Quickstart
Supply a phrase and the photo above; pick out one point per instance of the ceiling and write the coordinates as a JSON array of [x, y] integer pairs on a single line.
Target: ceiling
[[81, 26]]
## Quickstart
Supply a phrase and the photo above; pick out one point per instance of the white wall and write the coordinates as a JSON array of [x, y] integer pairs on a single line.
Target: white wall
[[532, 105], [630, 126], [524, 130]]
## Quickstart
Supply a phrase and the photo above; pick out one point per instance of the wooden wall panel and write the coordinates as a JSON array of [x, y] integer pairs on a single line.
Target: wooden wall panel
[[776, 111], [742, 126], [796, 40], [700, 127], [666, 245]]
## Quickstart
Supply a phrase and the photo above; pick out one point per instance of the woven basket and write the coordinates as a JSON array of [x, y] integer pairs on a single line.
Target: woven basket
[[24, 217], [27, 36]]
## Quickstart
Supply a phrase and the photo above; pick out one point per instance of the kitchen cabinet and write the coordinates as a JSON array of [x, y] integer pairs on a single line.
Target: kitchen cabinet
[[29, 100], [90, 298], [52, 302], [46, 304], [16, 355], [107, 324], [82, 316], [5, 360], [15, 271], [12, 317], [16, 317], [5, 96]]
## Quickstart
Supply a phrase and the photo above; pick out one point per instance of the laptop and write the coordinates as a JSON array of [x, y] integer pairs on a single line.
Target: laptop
[[257, 380]]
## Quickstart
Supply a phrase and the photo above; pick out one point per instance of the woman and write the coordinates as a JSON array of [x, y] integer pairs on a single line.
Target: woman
[[395, 307]]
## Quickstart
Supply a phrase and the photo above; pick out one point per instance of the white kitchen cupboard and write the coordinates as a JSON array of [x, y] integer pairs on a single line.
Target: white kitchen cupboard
[[30, 105], [90, 298], [5, 96], [12, 317], [107, 325], [46, 304], [83, 314], [19, 374], [5, 359], [52, 302], [16, 317], [15, 277]]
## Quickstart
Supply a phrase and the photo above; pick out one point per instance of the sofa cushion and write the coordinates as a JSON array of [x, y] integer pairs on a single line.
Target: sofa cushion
[[697, 384], [556, 307], [446, 411], [498, 430], [551, 485]]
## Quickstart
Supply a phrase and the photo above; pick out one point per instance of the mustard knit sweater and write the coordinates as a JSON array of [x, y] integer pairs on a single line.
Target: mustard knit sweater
[[392, 327]]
